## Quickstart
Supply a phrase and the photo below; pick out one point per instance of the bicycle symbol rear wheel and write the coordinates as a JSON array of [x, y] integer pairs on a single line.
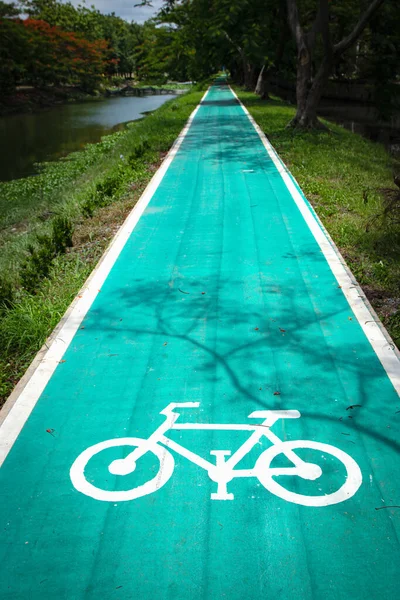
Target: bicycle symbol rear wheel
[[80, 482], [265, 474]]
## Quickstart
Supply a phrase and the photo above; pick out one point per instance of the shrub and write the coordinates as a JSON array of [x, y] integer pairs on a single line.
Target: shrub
[[107, 190], [37, 265], [6, 293], [62, 234], [40, 257], [108, 186], [138, 152]]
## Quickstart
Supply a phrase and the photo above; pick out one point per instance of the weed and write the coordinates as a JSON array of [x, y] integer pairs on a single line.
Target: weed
[[37, 265], [6, 293], [41, 255], [62, 234], [138, 152], [108, 186]]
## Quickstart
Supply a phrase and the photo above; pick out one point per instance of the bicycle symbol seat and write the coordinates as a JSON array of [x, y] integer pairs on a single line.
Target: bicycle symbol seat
[[223, 470]]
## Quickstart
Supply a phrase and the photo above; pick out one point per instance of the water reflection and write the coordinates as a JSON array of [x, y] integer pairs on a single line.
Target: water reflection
[[361, 118], [47, 135], [364, 120]]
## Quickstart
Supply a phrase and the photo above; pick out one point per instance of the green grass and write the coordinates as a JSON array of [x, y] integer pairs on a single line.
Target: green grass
[[165, 86], [94, 190], [343, 175], [91, 191]]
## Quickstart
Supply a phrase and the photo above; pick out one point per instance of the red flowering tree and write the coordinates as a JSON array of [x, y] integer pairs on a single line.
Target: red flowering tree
[[58, 57]]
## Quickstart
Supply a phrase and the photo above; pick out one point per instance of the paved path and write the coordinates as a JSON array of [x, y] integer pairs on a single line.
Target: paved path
[[222, 298]]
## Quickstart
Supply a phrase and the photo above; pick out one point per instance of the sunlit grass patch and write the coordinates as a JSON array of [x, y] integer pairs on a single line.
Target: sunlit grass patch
[[343, 175]]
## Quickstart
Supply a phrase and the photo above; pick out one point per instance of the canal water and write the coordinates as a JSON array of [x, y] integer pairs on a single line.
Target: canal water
[[50, 134], [365, 120], [361, 118]]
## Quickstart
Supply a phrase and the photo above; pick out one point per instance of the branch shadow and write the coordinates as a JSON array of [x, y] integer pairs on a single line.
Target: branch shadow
[[250, 345]]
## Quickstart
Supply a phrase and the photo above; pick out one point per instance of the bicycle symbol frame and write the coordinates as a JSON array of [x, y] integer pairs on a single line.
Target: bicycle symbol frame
[[223, 471]]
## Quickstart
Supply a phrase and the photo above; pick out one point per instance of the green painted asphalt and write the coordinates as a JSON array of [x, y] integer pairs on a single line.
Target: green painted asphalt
[[220, 297]]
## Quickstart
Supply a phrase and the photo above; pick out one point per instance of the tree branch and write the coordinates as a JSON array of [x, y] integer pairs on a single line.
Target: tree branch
[[346, 42], [294, 21], [230, 40], [320, 21], [325, 31]]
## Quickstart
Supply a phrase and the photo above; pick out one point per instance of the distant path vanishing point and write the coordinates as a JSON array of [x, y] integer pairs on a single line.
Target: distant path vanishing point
[[217, 415]]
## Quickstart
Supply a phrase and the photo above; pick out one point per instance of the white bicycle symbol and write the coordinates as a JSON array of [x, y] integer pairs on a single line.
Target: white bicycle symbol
[[224, 470]]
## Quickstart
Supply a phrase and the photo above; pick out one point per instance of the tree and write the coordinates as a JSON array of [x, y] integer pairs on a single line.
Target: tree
[[14, 49], [309, 89], [8, 9], [274, 59], [379, 58], [122, 37], [58, 57]]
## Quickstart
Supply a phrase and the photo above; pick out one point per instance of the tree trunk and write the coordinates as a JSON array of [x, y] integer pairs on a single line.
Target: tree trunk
[[248, 71], [236, 71], [309, 95], [303, 84], [310, 118], [262, 84]]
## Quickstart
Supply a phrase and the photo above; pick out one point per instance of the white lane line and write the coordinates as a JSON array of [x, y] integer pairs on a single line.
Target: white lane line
[[26, 394], [378, 337]]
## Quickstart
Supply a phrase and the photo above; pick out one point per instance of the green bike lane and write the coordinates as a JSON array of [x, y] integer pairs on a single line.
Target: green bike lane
[[221, 296]]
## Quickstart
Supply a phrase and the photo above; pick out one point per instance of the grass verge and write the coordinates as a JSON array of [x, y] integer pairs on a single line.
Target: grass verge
[[348, 180], [54, 227]]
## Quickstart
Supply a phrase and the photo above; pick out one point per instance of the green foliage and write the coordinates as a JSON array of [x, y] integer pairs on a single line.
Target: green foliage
[[191, 39], [36, 53], [122, 38], [14, 49], [27, 197], [138, 151], [38, 262], [62, 44], [106, 190], [6, 293], [392, 323], [108, 186], [25, 327], [41, 255], [65, 186], [8, 9], [30, 317], [62, 234]]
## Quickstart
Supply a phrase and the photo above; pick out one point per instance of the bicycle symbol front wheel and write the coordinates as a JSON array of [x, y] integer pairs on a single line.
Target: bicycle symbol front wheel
[[80, 482], [266, 474]]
